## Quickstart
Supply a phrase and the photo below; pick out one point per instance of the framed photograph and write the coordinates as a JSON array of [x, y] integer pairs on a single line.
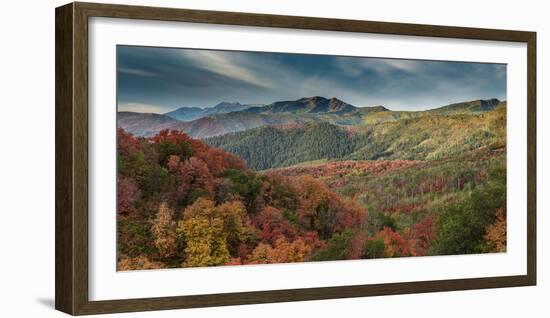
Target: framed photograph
[[211, 158]]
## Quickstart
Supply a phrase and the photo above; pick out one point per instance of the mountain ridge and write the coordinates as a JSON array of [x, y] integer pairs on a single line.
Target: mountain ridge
[[306, 109], [192, 113], [477, 105], [314, 104], [420, 138]]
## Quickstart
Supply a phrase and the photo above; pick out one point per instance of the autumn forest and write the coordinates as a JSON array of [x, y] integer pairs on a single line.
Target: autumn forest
[[185, 202], [407, 160]]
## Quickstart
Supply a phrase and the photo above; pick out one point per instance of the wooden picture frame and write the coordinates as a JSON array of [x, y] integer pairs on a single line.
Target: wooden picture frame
[[71, 90]]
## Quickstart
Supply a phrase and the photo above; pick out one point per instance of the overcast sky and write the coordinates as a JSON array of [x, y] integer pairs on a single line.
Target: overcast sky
[[162, 79]]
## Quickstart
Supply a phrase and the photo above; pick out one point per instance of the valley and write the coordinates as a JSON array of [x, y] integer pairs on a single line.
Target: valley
[[313, 179]]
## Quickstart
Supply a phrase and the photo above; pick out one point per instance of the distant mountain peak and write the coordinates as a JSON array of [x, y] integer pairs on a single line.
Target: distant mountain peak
[[185, 113], [477, 105], [192, 113], [489, 101], [338, 105], [313, 104], [493, 100], [228, 104], [313, 98], [186, 107], [379, 108]]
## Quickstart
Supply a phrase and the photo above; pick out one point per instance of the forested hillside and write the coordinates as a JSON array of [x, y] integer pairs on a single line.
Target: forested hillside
[[183, 203], [457, 198], [427, 137], [269, 147]]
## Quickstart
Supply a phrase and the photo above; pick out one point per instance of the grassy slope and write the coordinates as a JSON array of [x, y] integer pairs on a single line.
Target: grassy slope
[[431, 137]]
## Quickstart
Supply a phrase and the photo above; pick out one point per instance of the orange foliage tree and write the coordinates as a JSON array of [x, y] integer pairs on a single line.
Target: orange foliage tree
[[164, 231], [395, 244], [195, 179], [321, 210], [273, 225], [127, 194], [496, 232], [282, 252], [137, 263], [422, 234]]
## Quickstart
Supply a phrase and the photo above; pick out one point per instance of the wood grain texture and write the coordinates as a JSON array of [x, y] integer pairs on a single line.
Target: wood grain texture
[[532, 158], [64, 235], [72, 157], [165, 303], [80, 146], [297, 22]]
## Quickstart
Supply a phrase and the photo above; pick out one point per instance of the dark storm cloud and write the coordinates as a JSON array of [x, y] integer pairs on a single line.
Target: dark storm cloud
[[162, 79]]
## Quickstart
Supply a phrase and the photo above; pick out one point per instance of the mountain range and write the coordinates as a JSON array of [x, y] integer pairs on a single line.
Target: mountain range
[[429, 137], [234, 117], [191, 113]]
